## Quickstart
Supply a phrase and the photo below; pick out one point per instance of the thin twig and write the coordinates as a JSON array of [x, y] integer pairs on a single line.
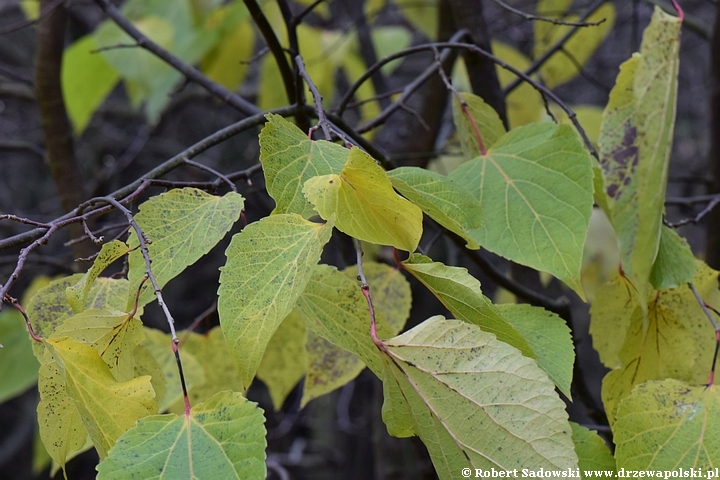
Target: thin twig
[[706, 310], [220, 176], [26, 221], [322, 119], [556, 21], [713, 203], [26, 23]]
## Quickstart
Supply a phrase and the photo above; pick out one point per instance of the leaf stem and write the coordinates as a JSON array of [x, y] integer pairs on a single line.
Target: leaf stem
[[15, 304], [706, 309], [366, 293]]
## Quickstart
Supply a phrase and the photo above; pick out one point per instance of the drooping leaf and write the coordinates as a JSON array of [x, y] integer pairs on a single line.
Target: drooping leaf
[[269, 264], [601, 256], [535, 186], [160, 346], [333, 306], [391, 294], [328, 367], [443, 200], [675, 262], [182, 225], [107, 408], [458, 380], [484, 118], [460, 293], [18, 365], [669, 425], [610, 313], [591, 450], [77, 294], [84, 93], [635, 146], [289, 158], [285, 361], [222, 438], [678, 341], [365, 205], [550, 339]]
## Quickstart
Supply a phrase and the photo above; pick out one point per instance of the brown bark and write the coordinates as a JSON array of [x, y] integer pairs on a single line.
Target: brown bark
[[56, 125], [712, 252]]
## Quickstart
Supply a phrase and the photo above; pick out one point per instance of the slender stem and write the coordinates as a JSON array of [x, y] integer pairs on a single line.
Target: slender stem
[[706, 310], [214, 172], [15, 304], [366, 293], [322, 120], [556, 21]]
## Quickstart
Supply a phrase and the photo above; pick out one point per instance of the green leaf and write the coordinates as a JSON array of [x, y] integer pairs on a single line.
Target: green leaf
[[675, 263], [423, 15], [678, 341], [329, 367], [591, 450], [285, 360], [535, 186], [18, 365], [635, 146], [334, 307], [223, 438], [445, 201], [669, 425], [106, 407], [365, 205], [458, 380], [84, 93], [460, 293], [212, 355], [269, 264], [78, 293], [484, 117], [160, 346], [550, 339], [391, 293], [182, 225], [289, 158]]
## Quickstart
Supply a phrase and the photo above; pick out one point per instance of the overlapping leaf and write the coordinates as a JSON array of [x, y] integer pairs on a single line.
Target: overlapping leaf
[[535, 186], [182, 225], [289, 158], [269, 264], [460, 293], [365, 206], [669, 425], [443, 200], [675, 264], [458, 380], [635, 145], [221, 438], [614, 306], [78, 293], [592, 452], [483, 121]]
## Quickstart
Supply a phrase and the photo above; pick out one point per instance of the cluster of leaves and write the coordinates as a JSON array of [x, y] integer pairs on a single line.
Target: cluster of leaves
[[479, 389]]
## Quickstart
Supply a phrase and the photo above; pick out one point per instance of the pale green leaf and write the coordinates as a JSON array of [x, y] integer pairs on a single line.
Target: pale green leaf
[[328, 367], [145, 364], [87, 78], [182, 225], [669, 425], [480, 119], [285, 360], [160, 346], [365, 206], [460, 293], [289, 158], [674, 264], [77, 294], [269, 264], [610, 313], [458, 381], [592, 452], [334, 307], [107, 408], [443, 200], [635, 146], [535, 186], [223, 438], [524, 104], [422, 14], [18, 365], [227, 63], [389, 39], [550, 339], [391, 293]]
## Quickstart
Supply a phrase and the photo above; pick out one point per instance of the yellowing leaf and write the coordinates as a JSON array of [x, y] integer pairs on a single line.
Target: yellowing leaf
[[83, 93], [285, 361], [460, 293], [524, 104], [289, 158], [591, 450], [269, 264], [535, 186], [227, 62], [182, 225], [223, 438], [484, 117], [458, 380], [106, 407], [443, 200], [364, 204], [610, 313], [422, 14], [669, 425]]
